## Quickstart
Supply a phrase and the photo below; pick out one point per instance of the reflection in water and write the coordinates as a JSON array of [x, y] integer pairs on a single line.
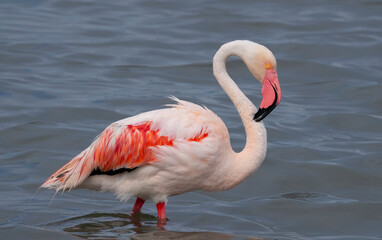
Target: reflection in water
[[125, 226], [108, 225], [184, 235]]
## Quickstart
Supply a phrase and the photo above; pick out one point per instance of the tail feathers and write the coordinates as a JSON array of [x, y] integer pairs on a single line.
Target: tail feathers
[[71, 174]]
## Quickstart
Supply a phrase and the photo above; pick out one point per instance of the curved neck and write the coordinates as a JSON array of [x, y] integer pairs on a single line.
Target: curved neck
[[253, 154], [243, 105]]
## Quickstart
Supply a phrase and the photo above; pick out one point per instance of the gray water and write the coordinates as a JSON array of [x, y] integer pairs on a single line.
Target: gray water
[[70, 68]]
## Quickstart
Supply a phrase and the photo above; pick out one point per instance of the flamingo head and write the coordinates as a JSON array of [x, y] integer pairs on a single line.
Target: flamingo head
[[263, 66]]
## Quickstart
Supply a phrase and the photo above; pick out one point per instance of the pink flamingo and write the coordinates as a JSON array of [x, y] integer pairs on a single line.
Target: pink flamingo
[[182, 148]]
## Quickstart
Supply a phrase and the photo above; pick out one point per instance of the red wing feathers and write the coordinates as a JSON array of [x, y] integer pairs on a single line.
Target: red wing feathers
[[129, 147]]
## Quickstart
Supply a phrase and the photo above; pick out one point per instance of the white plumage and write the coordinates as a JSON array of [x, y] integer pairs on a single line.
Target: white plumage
[[182, 148]]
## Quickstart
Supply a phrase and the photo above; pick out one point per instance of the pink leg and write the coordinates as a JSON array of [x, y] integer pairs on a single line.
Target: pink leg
[[161, 211], [138, 205]]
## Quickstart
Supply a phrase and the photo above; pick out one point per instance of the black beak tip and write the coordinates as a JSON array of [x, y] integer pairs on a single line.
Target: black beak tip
[[263, 112], [260, 115]]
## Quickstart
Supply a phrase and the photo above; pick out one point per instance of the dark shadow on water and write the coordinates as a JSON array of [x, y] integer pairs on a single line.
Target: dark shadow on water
[[125, 226]]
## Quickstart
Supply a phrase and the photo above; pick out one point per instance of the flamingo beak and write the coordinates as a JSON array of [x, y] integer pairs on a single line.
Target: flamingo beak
[[271, 95]]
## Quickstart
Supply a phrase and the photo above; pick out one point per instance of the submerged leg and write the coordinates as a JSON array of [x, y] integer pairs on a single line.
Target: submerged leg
[[161, 211], [138, 205]]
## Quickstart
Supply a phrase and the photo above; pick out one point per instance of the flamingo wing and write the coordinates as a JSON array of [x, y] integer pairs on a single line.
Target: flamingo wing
[[130, 143]]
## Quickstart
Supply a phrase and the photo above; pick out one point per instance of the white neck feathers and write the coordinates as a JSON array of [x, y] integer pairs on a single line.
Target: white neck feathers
[[253, 154]]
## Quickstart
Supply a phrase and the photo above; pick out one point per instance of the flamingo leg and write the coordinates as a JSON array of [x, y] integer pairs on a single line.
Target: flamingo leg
[[161, 211], [138, 205]]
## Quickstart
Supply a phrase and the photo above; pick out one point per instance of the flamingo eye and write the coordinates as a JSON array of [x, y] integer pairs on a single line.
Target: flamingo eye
[[268, 66]]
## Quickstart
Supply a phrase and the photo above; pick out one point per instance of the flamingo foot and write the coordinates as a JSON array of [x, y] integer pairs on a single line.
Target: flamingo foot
[[138, 205]]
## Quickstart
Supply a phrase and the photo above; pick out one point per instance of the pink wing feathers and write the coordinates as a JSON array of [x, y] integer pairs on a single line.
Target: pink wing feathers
[[118, 146]]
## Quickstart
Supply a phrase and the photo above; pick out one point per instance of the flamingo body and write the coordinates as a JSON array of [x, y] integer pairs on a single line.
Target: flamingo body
[[178, 147], [181, 148]]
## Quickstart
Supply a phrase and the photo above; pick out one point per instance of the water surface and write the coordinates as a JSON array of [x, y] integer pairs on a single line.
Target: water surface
[[70, 68]]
